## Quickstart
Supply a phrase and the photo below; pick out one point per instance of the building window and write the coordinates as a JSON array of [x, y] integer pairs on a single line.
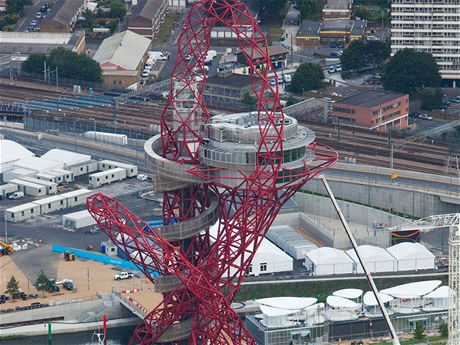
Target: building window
[[75, 199], [249, 269], [22, 213], [49, 205], [263, 267]]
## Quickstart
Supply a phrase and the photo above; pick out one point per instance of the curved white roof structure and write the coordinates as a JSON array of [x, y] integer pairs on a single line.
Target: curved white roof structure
[[370, 300], [66, 157], [412, 290], [340, 302], [327, 261], [294, 303], [440, 292], [10, 152], [270, 311], [348, 293], [376, 259], [412, 256]]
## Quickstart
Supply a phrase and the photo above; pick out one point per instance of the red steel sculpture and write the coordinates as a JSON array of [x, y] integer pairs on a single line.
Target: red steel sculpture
[[235, 170]]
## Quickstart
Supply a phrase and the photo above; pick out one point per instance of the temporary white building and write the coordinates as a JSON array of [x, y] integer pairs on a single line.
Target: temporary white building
[[131, 170], [37, 164], [77, 197], [51, 187], [30, 188], [47, 177], [267, 260], [83, 168], [437, 299], [353, 294], [328, 261], [77, 220], [67, 157], [341, 308], [17, 173], [51, 204], [376, 259], [412, 256], [8, 188], [11, 152], [22, 212], [66, 174], [371, 305], [104, 177], [276, 317], [290, 241]]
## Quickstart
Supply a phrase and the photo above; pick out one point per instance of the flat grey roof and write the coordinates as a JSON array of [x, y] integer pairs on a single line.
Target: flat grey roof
[[370, 99]]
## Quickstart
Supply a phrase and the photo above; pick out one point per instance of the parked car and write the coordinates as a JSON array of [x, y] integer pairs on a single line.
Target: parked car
[[16, 195], [68, 285], [38, 15], [287, 78], [272, 82], [335, 53], [45, 7], [338, 68], [331, 70], [145, 73], [332, 45], [425, 117], [142, 177], [341, 45], [123, 275]]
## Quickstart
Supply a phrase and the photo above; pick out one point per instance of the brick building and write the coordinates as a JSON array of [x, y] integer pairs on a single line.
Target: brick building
[[373, 109], [147, 17], [63, 16]]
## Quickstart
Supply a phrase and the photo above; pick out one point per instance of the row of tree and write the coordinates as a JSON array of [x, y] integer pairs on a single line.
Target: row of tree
[[43, 283], [69, 64]]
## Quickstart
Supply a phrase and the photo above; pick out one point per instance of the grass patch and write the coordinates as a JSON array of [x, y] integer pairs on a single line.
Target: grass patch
[[274, 34], [13, 337], [319, 289], [165, 31], [431, 340]]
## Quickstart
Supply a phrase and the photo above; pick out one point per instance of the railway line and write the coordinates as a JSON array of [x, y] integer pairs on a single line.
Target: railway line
[[366, 147]]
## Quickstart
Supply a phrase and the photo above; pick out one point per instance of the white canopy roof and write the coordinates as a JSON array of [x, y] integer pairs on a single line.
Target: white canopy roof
[[66, 157], [412, 290], [315, 307], [327, 255], [348, 293], [409, 250], [440, 292], [270, 311], [370, 300], [287, 302], [371, 253], [340, 302], [12, 151]]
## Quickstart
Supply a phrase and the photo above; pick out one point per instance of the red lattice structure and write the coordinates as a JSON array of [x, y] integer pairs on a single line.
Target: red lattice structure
[[199, 273]]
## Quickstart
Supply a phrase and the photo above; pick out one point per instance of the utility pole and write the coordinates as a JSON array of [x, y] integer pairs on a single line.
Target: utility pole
[[44, 71]]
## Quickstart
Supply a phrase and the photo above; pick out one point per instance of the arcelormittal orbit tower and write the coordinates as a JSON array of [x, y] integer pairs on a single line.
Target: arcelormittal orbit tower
[[237, 170]]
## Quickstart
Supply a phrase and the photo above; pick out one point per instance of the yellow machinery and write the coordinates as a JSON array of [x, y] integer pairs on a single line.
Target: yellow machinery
[[68, 256], [5, 248]]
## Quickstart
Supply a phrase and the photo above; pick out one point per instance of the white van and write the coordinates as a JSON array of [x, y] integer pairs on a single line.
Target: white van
[[16, 196], [149, 64], [157, 56]]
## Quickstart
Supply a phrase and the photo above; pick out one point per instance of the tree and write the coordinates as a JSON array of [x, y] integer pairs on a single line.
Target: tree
[[431, 100], [419, 332], [43, 283], [273, 7], [17, 6], [117, 9], [409, 70], [308, 76], [34, 63], [290, 101], [354, 56], [444, 330], [12, 287], [307, 7], [249, 100]]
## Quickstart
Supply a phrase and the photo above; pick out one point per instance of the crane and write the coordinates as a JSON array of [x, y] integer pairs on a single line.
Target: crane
[[452, 221], [5, 248]]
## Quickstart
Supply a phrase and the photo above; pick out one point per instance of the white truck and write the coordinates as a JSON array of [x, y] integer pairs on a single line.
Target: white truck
[[157, 56], [123, 275]]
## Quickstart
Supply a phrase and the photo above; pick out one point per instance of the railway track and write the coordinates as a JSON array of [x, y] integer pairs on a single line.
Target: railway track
[[366, 147]]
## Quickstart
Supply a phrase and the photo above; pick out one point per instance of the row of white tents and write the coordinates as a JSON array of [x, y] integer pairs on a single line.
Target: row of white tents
[[404, 256], [349, 304]]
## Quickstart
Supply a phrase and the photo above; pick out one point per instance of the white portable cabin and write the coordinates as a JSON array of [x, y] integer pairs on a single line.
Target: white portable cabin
[[8, 188], [328, 261], [131, 170], [412, 256], [376, 259], [67, 174], [51, 187], [51, 204], [83, 168], [113, 138], [22, 212], [61, 176], [76, 197], [77, 220], [47, 177], [106, 177], [30, 188]]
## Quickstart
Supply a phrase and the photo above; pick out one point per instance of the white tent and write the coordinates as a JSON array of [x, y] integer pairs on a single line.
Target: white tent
[[66, 157], [371, 306], [276, 317], [412, 256], [11, 152], [287, 302], [328, 261], [342, 308], [348, 293], [376, 259], [437, 299]]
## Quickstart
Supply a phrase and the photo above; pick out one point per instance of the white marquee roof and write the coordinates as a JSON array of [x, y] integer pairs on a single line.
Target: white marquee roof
[[11, 151], [340, 302], [37, 164], [66, 157], [287, 302], [408, 250], [440, 292], [413, 290], [327, 255], [370, 300], [348, 293], [371, 253], [270, 311]]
